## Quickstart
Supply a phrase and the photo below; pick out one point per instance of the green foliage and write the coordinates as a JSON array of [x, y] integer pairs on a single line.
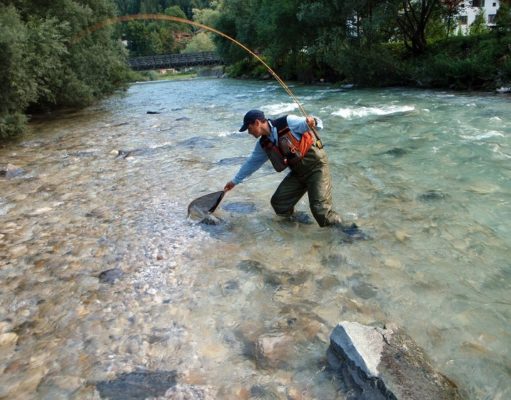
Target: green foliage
[[43, 67], [503, 19], [200, 42], [155, 37], [466, 62], [32, 54]]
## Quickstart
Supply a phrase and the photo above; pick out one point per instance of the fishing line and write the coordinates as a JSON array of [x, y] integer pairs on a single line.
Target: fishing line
[[125, 18]]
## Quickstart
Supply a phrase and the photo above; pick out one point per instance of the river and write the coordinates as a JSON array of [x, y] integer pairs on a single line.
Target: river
[[102, 273]]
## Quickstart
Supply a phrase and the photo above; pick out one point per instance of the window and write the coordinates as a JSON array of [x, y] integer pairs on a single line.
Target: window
[[477, 3], [491, 18], [463, 19]]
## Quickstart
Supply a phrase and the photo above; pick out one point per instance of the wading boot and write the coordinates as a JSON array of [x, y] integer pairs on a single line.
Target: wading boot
[[351, 232]]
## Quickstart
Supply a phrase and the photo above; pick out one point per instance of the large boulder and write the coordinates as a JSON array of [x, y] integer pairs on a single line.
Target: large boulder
[[379, 363]]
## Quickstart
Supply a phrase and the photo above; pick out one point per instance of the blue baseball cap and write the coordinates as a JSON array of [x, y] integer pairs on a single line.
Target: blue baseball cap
[[250, 118]]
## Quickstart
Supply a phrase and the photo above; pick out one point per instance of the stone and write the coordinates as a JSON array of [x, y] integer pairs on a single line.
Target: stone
[[11, 171], [8, 339], [137, 385], [189, 392], [383, 364], [110, 275], [271, 350]]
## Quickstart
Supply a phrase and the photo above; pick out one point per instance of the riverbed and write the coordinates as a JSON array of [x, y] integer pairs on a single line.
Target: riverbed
[[103, 275]]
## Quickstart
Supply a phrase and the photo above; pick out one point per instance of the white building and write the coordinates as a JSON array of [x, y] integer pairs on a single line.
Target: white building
[[471, 8]]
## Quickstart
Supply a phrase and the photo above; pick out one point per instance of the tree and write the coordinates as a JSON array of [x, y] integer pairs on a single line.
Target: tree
[[412, 20], [44, 67]]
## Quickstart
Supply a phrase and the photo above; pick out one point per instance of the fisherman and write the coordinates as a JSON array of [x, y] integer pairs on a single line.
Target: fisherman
[[291, 141]]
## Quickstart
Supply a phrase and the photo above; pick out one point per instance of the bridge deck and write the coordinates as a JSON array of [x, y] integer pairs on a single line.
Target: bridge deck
[[174, 61]]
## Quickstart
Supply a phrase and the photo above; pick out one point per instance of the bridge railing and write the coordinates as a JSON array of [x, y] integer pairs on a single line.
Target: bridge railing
[[174, 61]]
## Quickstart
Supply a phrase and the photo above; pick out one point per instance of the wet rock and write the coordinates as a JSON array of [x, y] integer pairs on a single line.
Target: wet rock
[[189, 392], [197, 142], [8, 339], [22, 384], [230, 287], [263, 392], [432, 195], [401, 235], [110, 275], [5, 326], [252, 266], [124, 153], [232, 161], [334, 260], [272, 350], [82, 154], [361, 288], [240, 207], [11, 171], [153, 112], [396, 152], [137, 385], [378, 363], [364, 290], [328, 282]]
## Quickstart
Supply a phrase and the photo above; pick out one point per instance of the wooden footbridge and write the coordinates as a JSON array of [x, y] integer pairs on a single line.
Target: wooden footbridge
[[174, 61]]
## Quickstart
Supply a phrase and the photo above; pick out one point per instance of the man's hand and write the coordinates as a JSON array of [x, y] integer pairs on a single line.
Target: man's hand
[[311, 121], [228, 186]]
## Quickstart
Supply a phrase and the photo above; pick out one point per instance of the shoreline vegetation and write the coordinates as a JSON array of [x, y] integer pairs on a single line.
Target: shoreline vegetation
[[367, 44]]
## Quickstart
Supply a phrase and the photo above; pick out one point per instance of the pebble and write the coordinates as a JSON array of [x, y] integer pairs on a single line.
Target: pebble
[[402, 236], [40, 211], [273, 349], [5, 326], [8, 339], [18, 251], [393, 263]]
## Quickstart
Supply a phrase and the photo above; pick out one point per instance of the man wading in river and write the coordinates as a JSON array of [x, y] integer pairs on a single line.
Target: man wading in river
[[290, 141]]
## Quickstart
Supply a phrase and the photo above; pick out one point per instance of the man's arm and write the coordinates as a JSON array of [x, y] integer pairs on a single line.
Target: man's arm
[[300, 125], [254, 162]]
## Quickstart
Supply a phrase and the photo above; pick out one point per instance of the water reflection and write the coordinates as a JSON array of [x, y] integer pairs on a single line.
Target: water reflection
[[103, 276]]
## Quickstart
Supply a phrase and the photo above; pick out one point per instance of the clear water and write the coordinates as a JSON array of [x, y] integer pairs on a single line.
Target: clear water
[[426, 173]]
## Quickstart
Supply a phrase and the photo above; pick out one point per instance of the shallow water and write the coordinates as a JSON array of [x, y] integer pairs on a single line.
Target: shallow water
[[427, 174]]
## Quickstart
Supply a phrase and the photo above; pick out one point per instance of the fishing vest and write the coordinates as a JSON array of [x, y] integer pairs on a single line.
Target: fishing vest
[[288, 151]]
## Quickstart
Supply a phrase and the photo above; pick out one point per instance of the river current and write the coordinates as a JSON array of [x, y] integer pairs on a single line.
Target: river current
[[103, 275]]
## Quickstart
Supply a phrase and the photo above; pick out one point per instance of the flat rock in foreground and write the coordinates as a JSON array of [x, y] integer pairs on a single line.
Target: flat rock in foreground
[[381, 363]]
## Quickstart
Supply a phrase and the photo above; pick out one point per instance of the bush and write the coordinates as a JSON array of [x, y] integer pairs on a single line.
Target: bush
[[464, 63]]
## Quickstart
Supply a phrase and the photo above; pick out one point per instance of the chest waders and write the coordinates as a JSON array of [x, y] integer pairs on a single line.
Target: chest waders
[[309, 174]]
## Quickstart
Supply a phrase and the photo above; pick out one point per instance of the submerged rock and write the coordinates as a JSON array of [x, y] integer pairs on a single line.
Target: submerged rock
[[231, 161], [396, 152], [11, 171], [197, 142], [137, 385], [385, 364], [110, 275], [272, 350], [432, 195]]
